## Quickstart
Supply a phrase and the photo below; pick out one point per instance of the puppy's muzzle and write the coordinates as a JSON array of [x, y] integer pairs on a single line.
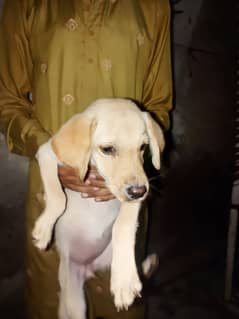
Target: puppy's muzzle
[[136, 191]]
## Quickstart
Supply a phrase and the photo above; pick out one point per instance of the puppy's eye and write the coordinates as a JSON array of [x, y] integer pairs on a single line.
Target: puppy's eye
[[108, 150], [143, 147]]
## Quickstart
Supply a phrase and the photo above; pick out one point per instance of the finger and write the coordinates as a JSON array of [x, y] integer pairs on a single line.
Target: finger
[[72, 187], [95, 176], [93, 168], [98, 190], [87, 191], [91, 185], [102, 193], [71, 179], [104, 198], [96, 183], [94, 192]]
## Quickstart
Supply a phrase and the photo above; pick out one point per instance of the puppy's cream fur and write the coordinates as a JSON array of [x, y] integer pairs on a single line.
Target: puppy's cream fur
[[94, 235]]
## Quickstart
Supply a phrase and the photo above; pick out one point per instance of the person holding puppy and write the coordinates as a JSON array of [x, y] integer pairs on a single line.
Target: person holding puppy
[[56, 58]]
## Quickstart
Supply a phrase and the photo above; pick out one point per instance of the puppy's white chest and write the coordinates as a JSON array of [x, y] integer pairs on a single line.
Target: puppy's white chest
[[86, 227]]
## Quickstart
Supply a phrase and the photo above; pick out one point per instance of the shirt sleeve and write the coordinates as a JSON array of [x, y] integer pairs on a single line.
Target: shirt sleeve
[[23, 132], [157, 93]]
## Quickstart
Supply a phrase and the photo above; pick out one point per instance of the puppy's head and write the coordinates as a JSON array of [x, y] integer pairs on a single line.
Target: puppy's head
[[112, 134], [120, 138]]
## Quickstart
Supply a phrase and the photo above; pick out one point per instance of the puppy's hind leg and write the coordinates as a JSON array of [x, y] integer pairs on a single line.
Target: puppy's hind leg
[[62, 312], [55, 199], [72, 298]]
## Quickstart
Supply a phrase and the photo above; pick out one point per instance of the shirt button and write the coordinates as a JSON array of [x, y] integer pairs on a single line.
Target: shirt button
[[90, 60], [99, 289], [140, 39], [91, 33], [68, 99], [43, 68], [71, 24], [106, 64]]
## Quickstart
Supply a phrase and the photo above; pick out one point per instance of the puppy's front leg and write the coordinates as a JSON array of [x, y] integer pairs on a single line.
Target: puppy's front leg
[[55, 199], [125, 282]]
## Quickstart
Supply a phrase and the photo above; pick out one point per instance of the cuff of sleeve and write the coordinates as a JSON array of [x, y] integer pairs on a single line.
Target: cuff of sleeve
[[25, 135], [162, 117]]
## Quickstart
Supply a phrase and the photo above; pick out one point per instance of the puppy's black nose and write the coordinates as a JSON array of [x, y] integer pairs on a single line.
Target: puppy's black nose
[[135, 192]]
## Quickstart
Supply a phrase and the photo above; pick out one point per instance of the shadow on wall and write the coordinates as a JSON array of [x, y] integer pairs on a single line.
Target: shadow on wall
[[13, 176], [193, 208]]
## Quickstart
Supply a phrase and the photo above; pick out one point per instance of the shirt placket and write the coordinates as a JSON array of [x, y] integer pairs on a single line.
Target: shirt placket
[[93, 13]]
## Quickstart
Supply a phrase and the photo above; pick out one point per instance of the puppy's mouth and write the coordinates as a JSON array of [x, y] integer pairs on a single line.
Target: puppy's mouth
[[131, 193], [136, 192]]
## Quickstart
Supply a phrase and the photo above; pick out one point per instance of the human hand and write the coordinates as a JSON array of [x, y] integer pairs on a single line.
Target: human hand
[[93, 187]]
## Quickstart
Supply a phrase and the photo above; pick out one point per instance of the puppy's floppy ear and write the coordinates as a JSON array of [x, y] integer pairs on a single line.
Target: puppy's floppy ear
[[72, 143], [156, 139]]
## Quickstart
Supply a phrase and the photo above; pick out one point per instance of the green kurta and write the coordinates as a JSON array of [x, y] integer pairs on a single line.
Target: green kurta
[[113, 48]]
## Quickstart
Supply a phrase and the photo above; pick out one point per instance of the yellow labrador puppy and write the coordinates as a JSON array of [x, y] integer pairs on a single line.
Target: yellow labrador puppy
[[110, 134]]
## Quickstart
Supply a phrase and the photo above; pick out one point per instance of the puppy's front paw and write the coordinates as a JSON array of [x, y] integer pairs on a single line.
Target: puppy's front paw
[[42, 232], [125, 288]]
